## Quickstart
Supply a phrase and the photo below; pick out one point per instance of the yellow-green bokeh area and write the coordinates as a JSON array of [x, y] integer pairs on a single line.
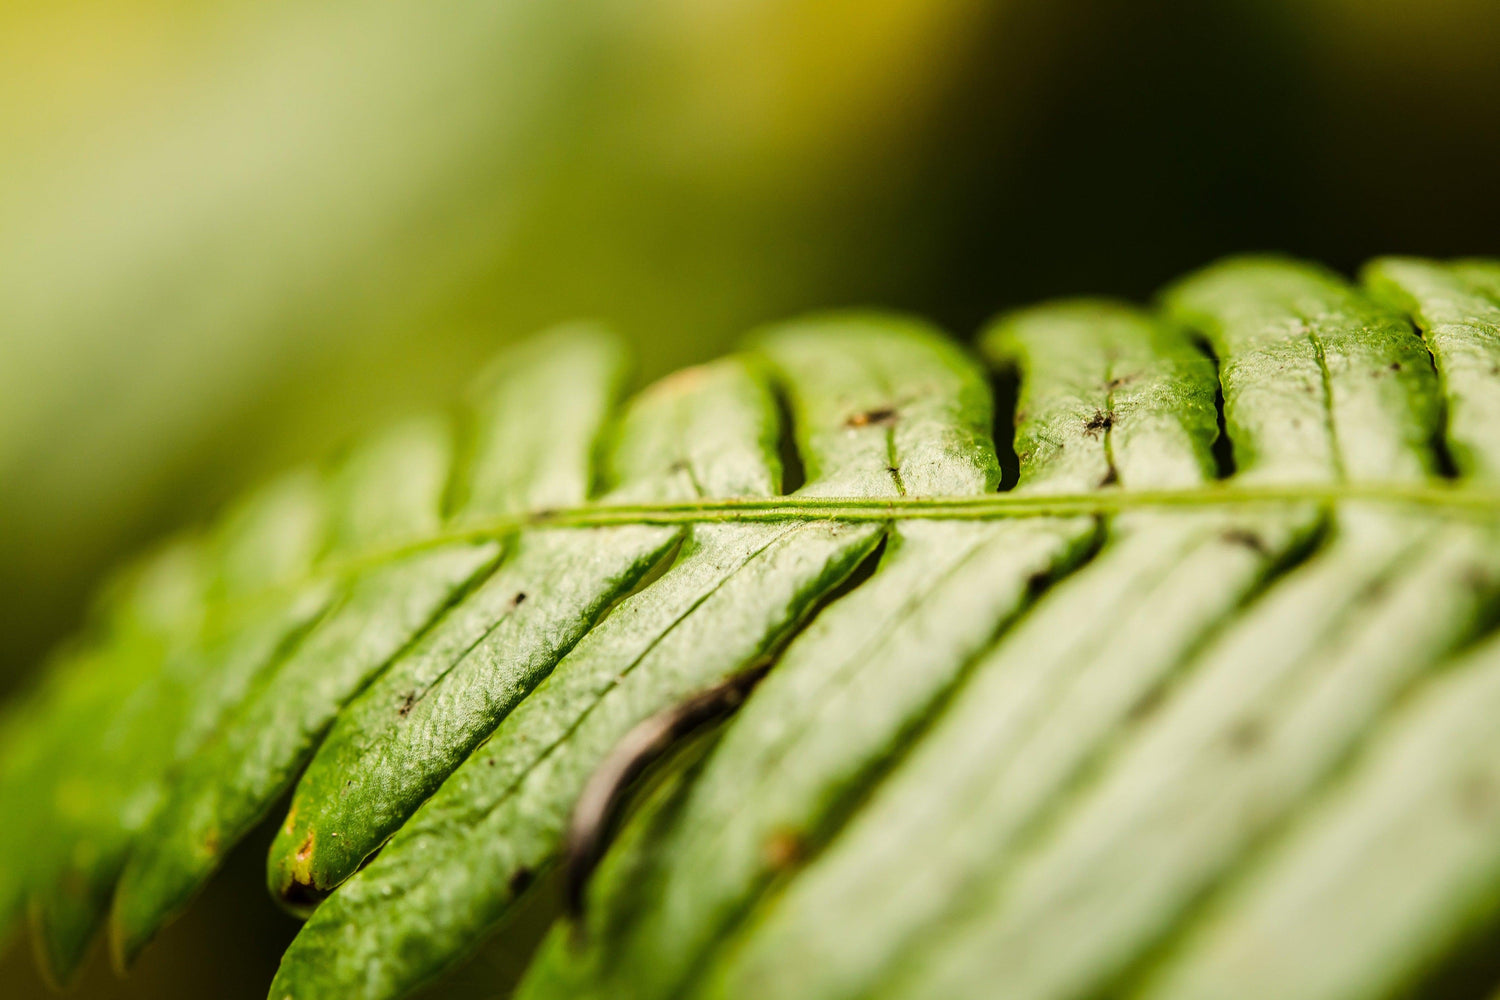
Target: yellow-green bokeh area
[[232, 233]]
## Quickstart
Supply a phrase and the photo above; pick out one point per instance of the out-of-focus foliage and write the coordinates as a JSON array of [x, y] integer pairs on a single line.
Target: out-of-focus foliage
[[232, 231]]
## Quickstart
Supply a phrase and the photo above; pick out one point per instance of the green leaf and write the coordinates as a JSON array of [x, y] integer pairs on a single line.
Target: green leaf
[[392, 490], [1123, 728], [394, 744], [1391, 872], [1110, 396], [1458, 308], [1262, 712], [111, 784], [229, 783], [733, 595]]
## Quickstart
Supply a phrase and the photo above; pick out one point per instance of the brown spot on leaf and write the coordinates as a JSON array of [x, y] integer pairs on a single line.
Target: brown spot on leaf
[[881, 416], [305, 851], [1100, 421], [407, 701], [782, 850], [1249, 539], [681, 381], [520, 880], [1109, 478]]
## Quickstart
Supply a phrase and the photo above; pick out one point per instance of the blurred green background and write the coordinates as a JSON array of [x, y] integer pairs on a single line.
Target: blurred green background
[[233, 233]]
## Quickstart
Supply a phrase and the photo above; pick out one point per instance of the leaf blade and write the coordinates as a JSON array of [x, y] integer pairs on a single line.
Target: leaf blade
[[735, 593]]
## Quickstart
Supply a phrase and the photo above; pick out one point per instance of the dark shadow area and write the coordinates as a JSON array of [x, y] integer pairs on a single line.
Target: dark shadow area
[[226, 945], [1472, 971], [793, 474], [1005, 386]]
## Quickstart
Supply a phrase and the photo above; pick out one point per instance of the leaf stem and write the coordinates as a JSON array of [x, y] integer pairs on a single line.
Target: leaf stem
[[1457, 500]]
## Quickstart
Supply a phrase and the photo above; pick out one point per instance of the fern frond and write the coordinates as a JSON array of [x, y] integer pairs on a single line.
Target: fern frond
[[1197, 708]]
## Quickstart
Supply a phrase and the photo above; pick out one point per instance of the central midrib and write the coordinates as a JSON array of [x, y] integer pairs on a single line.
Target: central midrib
[[1440, 497]]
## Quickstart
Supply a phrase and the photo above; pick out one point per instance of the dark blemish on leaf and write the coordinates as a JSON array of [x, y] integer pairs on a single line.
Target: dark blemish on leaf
[[1037, 582], [305, 851], [1395, 366], [520, 880], [1249, 539], [782, 850], [1100, 421], [882, 416], [516, 601], [1247, 736], [490, 761], [1115, 383], [680, 465], [1110, 478], [407, 701]]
